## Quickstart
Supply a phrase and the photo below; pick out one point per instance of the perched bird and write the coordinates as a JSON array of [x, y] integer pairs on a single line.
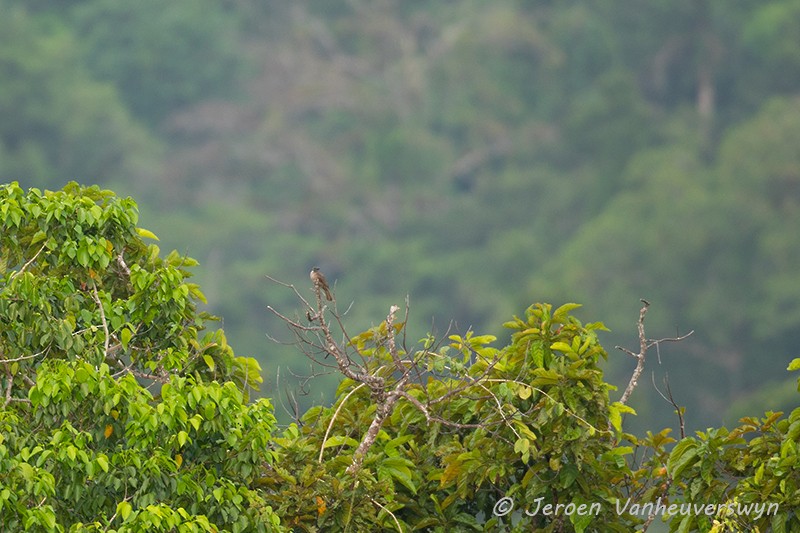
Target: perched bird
[[320, 282]]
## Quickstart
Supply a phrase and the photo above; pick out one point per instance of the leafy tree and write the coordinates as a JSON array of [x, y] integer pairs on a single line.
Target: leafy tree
[[118, 410], [479, 428], [432, 438]]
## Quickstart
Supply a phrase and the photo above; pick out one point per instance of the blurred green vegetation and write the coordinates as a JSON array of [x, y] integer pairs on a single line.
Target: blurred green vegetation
[[476, 156]]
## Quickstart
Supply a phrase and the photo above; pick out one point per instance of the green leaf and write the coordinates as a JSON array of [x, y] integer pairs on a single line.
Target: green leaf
[[560, 314], [615, 411], [794, 365], [340, 440], [83, 255], [182, 438], [209, 361], [146, 234], [125, 337], [124, 509], [524, 392], [38, 237], [684, 453], [522, 445], [561, 347]]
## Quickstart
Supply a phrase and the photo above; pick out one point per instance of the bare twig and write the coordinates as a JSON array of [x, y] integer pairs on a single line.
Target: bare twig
[[96, 297], [639, 357], [333, 419], [671, 400], [31, 260], [22, 358], [396, 521]]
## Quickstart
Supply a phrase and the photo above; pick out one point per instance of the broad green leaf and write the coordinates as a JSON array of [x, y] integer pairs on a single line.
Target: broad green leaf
[[124, 509], [561, 347], [522, 445], [561, 313], [684, 453], [340, 440], [125, 337], [146, 234], [38, 237]]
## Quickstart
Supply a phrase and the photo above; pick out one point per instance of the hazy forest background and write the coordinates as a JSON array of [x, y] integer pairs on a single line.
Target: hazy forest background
[[478, 156]]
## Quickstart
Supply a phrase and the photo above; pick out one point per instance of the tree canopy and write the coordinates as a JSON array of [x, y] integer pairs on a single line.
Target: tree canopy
[[122, 411], [119, 410]]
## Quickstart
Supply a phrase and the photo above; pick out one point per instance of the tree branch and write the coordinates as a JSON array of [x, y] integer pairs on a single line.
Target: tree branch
[[640, 357], [96, 298], [31, 260], [644, 345]]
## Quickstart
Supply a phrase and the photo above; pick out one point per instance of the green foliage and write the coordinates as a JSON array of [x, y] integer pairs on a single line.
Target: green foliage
[[162, 57], [93, 320], [529, 420], [760, 456], [57, 120], [86, 308], [455, 151]]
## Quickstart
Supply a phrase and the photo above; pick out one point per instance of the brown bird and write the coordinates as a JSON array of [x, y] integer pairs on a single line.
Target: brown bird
[[320, 282]]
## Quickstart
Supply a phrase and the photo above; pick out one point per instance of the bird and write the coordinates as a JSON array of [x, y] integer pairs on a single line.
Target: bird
[[320, 282]]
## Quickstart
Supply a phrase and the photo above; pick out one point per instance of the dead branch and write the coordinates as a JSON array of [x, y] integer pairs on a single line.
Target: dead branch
[[386, 371], [644, 345], [385, 402]]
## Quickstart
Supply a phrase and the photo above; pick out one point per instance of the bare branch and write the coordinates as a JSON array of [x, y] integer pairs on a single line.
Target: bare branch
[[96, 298], [387, 371], [22, 358], [123, 266], [396, 521], [386, 402], [644, 345], [640, 357], [31, 260]]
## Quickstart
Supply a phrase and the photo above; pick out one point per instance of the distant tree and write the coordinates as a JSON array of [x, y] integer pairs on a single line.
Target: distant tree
[[57, 120], [162, 57]]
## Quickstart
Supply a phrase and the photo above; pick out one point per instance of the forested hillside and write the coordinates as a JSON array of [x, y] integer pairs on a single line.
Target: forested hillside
[[477, 156]]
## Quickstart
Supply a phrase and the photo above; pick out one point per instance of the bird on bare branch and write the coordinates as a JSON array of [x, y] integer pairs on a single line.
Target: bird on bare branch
[[320, 283]]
